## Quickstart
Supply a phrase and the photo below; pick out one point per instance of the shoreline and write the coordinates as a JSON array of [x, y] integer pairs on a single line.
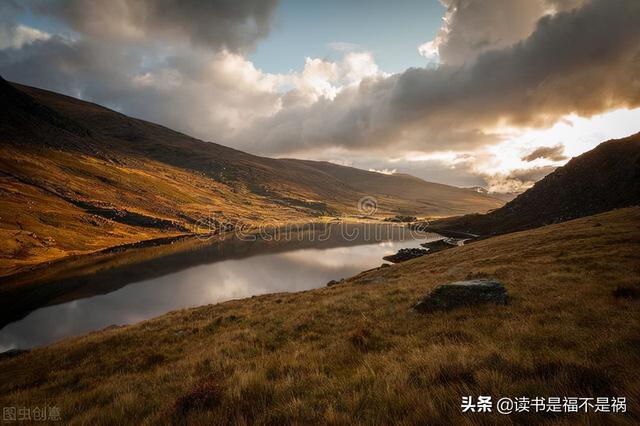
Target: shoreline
[[101, 273], [18, 277]]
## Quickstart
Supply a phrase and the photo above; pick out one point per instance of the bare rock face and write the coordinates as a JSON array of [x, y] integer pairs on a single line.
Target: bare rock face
[[463, 293]]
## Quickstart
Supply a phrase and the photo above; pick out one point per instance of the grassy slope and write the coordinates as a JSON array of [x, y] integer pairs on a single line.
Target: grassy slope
[[356, 353], [37, 225], [59, 155]]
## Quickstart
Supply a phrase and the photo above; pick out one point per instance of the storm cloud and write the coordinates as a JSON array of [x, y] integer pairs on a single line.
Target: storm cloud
[[178, 63], [582, 61], [500, 65], [234, 25]]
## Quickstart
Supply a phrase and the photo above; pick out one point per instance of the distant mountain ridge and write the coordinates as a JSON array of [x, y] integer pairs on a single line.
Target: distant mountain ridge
[[77, 177], [605, 178]]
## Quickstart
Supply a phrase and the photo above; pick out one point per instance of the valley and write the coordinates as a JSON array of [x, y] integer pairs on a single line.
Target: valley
[[357, 352], [77, 178]]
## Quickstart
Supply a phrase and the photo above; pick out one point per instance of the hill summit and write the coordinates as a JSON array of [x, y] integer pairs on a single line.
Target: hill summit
[[605, 178]]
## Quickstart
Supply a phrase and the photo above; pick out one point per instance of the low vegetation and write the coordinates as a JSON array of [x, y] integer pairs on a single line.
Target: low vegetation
[[356, 352]]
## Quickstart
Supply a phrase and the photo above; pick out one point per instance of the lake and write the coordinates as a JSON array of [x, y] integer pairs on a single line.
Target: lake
[[135, 286]]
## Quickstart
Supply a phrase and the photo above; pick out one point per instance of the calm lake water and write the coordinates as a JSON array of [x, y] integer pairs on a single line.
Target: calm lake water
[[202, 276]]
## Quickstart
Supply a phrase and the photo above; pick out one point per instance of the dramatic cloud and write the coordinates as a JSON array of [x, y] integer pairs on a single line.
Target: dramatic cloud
[[553, 153], [197, 81], [472, 27], [583, 61], [12, 35], [495, 66], [222, 24], [194, 81]]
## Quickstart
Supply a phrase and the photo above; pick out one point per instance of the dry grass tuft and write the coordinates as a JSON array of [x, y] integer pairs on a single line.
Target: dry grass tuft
[[362, 338], [206, 394]]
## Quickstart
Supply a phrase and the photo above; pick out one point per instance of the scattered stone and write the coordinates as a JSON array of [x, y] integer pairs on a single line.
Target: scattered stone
[[463, 293], [385, 265], [401, 218], [335, 282], [406, 254], [631, 293]]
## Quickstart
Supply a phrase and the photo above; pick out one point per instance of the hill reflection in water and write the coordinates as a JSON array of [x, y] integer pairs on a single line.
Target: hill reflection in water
[[130, 287]]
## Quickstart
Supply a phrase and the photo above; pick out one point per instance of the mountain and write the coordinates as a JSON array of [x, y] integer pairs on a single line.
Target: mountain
[[416, 194], [605, 178], [77, 178]]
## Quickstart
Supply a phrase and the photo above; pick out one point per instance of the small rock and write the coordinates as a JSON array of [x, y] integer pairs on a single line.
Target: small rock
[[463, 293], [334, 282], [406, 254], [632, 293]]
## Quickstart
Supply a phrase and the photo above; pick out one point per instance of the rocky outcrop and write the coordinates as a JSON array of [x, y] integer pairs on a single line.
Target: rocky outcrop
[[463, 293], [401, 218], [406, 254], [435, 246]]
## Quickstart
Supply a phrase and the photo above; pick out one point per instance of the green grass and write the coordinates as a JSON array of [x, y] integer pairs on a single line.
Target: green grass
[[355, 353]]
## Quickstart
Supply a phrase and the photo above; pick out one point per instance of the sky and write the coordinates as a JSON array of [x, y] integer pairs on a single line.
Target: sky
[[328, 29], [463, 92]]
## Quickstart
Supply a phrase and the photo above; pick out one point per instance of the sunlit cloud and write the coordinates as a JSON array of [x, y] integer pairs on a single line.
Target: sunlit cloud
[[576, 134], [504, 87], [384, 171], [21, 35], [429, 51]]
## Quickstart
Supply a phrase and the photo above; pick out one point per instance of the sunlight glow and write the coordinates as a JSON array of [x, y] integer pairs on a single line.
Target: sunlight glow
[[576, 134]]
